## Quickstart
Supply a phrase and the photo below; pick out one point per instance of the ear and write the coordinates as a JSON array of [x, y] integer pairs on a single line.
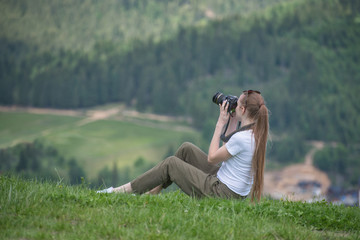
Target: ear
[[243, 109]]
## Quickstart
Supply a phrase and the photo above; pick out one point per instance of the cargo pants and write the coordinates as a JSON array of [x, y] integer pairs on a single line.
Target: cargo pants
[[190, 170]]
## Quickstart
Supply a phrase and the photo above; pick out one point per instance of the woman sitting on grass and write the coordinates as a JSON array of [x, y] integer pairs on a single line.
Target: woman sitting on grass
[[197, 174]]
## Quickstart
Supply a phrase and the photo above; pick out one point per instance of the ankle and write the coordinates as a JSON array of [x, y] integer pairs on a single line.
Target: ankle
[[126, 188], [120, 189]]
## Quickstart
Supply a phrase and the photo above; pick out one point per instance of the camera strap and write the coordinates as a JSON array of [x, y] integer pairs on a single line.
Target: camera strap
[[227, 138]]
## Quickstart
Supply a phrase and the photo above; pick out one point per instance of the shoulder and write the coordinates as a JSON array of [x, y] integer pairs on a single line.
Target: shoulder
[[239, 141], [243, 135]]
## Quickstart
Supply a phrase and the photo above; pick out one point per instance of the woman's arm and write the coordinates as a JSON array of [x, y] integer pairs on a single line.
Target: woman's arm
[[219, 154]]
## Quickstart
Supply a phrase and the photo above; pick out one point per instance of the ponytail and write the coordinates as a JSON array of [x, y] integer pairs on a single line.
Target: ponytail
[[261, 130], [258, 111]]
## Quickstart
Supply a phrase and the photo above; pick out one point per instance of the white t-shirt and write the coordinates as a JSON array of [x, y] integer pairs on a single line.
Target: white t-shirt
[[235, 172]]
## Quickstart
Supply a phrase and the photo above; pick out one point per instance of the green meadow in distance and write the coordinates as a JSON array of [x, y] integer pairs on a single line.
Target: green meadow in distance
[[96, 144]]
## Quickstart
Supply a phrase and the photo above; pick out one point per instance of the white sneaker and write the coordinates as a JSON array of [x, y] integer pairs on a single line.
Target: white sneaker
[[108, 190]]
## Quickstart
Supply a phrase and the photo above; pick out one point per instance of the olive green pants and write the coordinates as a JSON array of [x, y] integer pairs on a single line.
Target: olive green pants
[[190, 170]]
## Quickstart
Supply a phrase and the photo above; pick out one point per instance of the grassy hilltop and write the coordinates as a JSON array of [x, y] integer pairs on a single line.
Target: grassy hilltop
[[34, 210]]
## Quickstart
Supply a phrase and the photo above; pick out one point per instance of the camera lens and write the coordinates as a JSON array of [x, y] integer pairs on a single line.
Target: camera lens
[[218, 98]]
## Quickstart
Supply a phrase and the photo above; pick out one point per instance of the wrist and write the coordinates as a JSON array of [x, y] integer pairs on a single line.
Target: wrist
[[220, 125]]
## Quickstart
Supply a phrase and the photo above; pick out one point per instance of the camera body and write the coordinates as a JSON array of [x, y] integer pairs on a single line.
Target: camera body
[[219, 97]]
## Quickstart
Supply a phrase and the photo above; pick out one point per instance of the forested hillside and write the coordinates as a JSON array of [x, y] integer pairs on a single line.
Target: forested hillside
[[303, 56], [79, 25]]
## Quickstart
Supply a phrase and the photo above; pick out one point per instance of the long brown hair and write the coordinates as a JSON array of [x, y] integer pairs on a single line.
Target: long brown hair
[[257, 110]]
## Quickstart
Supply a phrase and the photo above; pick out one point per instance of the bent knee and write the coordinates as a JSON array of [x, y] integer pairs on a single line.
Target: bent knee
[[171, 163], [186, 145], [186, 151], [170, 160]]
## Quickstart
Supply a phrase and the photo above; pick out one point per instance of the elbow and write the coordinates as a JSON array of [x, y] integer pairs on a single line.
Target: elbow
[[210, 160]]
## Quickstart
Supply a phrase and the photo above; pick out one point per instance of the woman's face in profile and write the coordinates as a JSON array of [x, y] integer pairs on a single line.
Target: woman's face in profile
[[240, 109]]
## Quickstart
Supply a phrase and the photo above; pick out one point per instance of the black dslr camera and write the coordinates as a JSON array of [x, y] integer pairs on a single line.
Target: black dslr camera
[[219, 97]]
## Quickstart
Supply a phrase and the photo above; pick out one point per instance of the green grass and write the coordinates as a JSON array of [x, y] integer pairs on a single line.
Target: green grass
[[94, 145], [34, 210]]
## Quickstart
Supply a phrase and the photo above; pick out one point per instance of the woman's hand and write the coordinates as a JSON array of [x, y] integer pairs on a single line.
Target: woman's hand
[[224, 114], [216, 154]]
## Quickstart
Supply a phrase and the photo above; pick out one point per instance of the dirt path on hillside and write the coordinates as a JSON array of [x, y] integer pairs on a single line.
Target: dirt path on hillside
[[41, 111], [298, 181], [95, 115], [119, 113], [317, 145]]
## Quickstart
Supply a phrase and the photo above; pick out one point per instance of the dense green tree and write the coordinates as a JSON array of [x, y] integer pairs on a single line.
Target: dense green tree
[[341, 163], [76, 173], [115, 175], [35, 160]]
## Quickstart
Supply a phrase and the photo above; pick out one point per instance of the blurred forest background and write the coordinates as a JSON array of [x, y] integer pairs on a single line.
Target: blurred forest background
[[170, 57]]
